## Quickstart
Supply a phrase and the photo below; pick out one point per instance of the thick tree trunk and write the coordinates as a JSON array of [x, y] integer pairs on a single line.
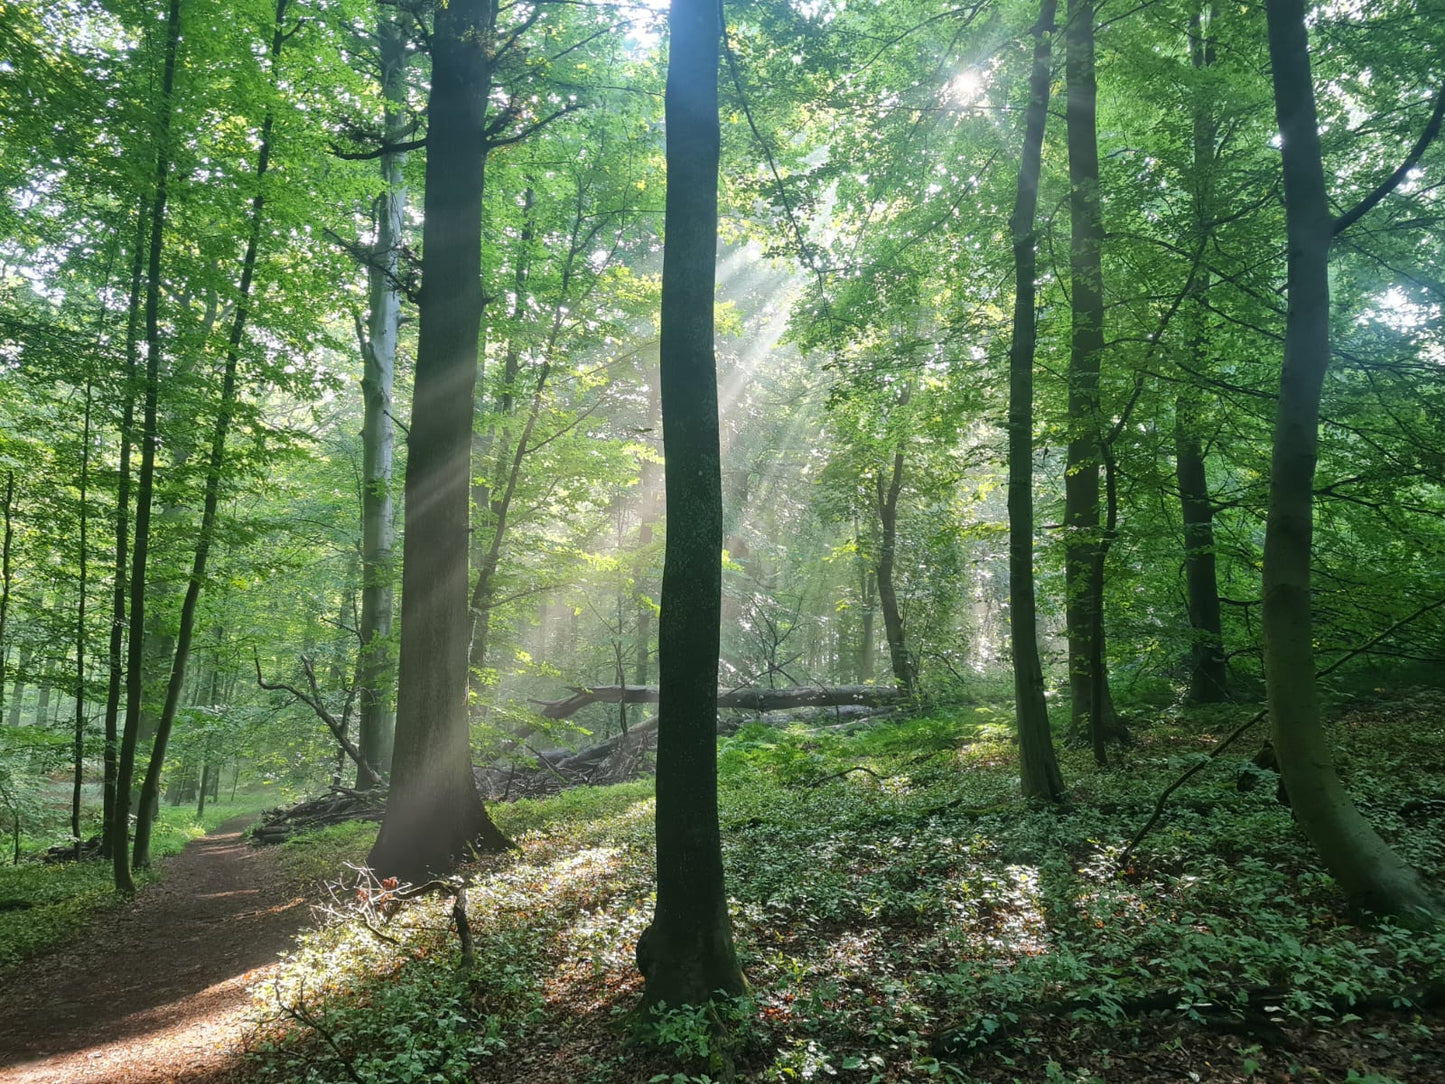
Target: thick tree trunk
[[887, 497], [434, 814], [376, 673], [150, 789], [1038, 767], [686, 956], [145, 484], [42, 700], [1371, 874], [1083, 568]]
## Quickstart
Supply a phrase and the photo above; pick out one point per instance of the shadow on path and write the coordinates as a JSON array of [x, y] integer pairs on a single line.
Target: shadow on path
[[154, 990]]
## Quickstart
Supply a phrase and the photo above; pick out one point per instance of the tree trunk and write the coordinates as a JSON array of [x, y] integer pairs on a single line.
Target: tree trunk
[[145, 484], [686, 956], [1083, 570], [434, 814], [204, 789], [150, 789], [1371, 874], [376, 673], [887, 496], [122, 532], [80, 629], [17, 696], [1038, 768], [865, 632], [5, 547], [1208, 676]]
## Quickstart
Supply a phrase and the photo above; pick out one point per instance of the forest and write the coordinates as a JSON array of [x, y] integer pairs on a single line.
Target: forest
[[691, 542]]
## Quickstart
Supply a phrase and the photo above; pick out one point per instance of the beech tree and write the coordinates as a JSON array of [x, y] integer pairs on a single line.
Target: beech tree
[[434, 814], [686, 955], [1372, 875], [1038, 767]]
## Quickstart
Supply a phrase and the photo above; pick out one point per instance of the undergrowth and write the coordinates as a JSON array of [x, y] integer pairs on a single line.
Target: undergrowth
[[900, 916]]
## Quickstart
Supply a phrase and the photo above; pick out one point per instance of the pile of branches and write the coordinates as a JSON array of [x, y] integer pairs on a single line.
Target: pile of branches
[[339, 805], [66, 852], [619, 760]]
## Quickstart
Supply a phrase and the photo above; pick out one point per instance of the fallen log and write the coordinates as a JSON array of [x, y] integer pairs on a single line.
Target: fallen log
[[745, 699]]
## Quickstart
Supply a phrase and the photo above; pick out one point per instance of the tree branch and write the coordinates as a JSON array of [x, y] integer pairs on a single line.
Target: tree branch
[[1390, 183], [336, 726]]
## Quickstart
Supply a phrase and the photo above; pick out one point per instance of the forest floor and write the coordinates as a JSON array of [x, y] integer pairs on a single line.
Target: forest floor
[[155, 990], [890, 891]]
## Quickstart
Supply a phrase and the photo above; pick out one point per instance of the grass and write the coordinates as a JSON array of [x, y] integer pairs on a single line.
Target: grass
[[63, 896], [876, 911]]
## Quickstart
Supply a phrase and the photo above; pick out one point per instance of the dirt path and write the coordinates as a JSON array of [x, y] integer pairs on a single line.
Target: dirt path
[[155, 990]]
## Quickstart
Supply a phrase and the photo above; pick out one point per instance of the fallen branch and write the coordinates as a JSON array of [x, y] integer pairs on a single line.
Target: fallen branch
[[746, 699], [845, 772]]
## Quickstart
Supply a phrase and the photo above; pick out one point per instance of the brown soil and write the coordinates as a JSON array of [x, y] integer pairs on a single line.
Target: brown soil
[[155, 990]]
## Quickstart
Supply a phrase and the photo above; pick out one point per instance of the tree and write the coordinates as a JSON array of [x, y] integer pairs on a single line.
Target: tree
[[686, 955], [375, 670], [145, 484], [1374, 878], [1083, 544], [434, 814], [150, 789], [1039, 770]]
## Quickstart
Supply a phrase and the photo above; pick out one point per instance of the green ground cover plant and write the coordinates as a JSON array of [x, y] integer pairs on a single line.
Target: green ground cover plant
[[902, 916]]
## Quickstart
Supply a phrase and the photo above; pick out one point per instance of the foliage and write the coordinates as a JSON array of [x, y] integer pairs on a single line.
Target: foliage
[[887, 887]]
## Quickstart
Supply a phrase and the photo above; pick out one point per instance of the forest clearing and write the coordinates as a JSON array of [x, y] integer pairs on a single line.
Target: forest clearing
[[710, 542]]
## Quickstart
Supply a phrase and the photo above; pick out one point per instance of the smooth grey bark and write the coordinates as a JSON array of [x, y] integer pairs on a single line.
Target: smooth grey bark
[[1039, 773], [869, 594], [1373, 877], [145, 483], [434, 814], [376, 672], [686, 955], [17, 696]]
